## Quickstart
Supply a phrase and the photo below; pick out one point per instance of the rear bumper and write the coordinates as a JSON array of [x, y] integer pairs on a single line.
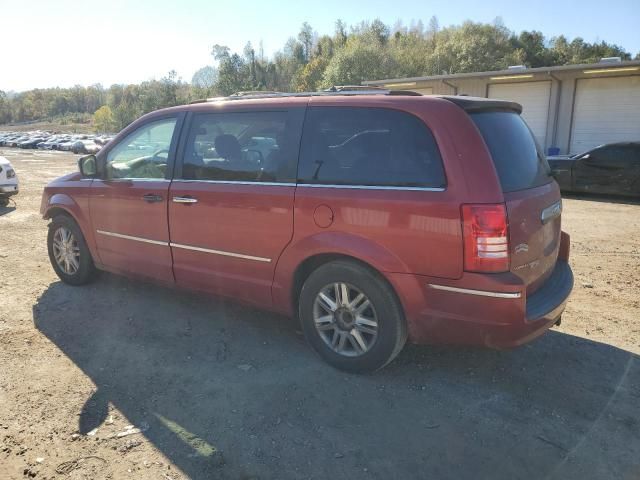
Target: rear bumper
[[544, 303], [6, 190], [465, 315]]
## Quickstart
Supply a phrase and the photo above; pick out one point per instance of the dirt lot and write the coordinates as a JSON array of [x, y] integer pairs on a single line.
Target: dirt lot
[[221, 391]]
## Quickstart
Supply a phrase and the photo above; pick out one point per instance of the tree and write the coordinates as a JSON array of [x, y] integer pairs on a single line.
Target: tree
[[308, 61], [434, 27], [536, 54], [5, 108], [310, 78], [205, 77], [103, 120], [380, 32], [472, 47], [340, 33], [356, 62], [305, 36]]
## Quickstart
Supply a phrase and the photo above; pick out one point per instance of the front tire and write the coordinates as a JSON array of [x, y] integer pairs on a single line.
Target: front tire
[[351, 317], [68, 252]]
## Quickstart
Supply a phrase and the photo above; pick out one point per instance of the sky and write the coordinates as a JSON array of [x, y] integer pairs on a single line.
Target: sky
[[49, 43]]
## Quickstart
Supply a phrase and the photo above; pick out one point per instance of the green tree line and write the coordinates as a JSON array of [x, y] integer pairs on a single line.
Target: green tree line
[[310, 61]]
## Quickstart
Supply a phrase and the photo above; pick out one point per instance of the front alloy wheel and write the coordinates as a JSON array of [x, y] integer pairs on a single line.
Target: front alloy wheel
[[66, 251]]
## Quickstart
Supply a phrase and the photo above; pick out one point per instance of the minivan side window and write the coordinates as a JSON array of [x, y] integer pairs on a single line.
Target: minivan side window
[[368, 147], [257, 146], [144, 153]]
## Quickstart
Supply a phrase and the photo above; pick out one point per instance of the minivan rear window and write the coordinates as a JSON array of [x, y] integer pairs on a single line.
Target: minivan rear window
[[518, 159], [368, 147]]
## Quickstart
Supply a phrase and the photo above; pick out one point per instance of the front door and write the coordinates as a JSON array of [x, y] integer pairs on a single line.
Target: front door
[[128, 206], [231, 202]]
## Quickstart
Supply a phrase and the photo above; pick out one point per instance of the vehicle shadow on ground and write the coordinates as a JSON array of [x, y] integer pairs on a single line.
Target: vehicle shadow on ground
[[225, 391], [7, 209], [602, 198]]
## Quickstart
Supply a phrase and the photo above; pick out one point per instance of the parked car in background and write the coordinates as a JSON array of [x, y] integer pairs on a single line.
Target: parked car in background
[[103, 140], [45, 140], [50, 143], [31, 142], [612, 169], [85, 146], [67, 144], [381, 217], [6, 137], [8, 181], [59, 141], [15, 141]]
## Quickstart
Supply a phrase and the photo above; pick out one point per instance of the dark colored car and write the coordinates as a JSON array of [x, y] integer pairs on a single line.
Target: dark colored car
[[31, 142], [612, 169], [372, 217]]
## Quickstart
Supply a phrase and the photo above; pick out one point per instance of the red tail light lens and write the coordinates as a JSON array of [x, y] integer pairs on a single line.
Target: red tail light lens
[[486, 238]]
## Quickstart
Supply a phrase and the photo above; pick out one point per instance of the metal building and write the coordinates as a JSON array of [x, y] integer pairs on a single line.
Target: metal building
[[570, 108]]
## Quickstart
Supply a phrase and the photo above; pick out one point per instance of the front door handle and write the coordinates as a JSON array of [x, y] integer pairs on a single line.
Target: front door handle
[[185, 200], [152, 198]]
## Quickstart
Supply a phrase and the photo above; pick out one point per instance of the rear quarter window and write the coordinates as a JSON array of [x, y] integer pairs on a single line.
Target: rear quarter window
[[518, 159], [368, 147]]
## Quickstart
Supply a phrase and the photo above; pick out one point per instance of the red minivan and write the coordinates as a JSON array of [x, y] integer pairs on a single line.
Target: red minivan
[[375, 217]]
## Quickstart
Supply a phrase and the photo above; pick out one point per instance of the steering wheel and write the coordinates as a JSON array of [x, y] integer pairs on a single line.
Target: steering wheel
[[156, 154]]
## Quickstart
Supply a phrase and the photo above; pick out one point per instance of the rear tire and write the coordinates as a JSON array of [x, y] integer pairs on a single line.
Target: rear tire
[[68, 252], [351, 317]]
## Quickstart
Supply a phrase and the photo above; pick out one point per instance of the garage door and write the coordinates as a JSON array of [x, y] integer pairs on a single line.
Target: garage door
[[606, 110], [534, 98]]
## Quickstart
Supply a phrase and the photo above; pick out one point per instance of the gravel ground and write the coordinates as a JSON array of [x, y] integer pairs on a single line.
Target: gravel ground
[[122, 380]]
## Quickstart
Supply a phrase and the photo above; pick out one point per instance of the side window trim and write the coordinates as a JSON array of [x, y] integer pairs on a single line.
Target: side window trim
[[373, 187], [182, 145], [171, 158], [294, 114]]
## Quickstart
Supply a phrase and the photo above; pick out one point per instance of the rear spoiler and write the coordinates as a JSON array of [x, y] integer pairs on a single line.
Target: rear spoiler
[[479, 104]]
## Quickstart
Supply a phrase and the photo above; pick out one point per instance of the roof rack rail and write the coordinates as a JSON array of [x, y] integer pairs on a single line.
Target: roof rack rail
[[333, 91], [354, 88], [246, 93]]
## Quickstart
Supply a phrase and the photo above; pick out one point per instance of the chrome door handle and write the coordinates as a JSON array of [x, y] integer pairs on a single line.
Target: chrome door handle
[[185, 200]]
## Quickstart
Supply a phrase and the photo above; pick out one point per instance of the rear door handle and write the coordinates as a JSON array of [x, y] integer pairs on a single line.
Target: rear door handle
[[185, 200], [152, 198]]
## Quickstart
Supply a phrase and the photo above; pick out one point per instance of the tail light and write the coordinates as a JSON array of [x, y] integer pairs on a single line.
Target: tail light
[[486, 238]]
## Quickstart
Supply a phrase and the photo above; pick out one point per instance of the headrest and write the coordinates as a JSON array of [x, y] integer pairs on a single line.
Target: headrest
[[227, 146]]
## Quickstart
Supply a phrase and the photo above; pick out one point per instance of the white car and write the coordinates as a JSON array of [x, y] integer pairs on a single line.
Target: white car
[[8, 181]]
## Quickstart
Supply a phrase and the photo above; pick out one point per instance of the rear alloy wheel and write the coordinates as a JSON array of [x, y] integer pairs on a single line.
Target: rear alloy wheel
[[345, 319], [351, 317], [68, 252]]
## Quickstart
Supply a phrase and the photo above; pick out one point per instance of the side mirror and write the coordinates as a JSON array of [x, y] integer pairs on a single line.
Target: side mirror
[[88, 166]]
